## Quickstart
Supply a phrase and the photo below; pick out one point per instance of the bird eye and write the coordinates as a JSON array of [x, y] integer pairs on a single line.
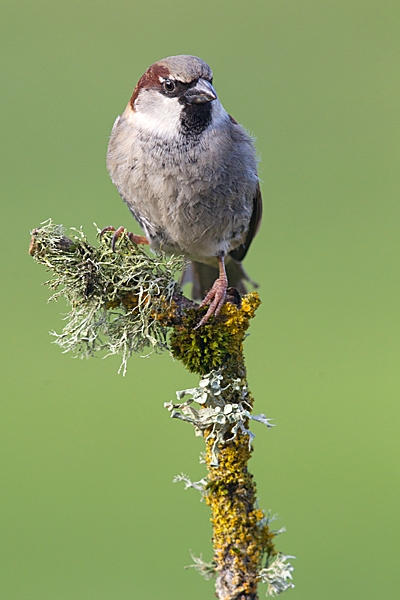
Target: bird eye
[[169, 86]]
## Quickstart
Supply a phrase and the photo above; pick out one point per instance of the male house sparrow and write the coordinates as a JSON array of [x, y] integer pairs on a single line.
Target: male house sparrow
[[188, 173]]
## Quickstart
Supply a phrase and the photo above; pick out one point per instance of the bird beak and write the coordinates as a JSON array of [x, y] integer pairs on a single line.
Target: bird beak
[[201, 93]]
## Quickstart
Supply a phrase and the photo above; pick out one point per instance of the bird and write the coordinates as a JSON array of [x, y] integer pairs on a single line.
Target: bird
[[188, 173]]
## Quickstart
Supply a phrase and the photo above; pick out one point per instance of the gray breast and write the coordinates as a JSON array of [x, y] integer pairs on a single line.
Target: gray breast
[[190, 197]]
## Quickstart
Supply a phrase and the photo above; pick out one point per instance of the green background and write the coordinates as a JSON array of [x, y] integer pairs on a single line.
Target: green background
[[88, 509]]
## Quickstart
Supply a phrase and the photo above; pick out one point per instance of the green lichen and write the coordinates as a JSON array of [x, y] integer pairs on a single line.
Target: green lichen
[[115, 298]]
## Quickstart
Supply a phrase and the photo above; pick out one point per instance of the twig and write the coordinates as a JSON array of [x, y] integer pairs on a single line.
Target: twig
[[128, 301]]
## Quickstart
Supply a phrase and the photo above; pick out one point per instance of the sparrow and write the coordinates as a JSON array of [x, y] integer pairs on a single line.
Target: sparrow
[[188, 173]]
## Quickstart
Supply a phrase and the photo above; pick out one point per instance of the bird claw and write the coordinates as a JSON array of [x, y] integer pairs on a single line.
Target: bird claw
[[135, 239], [117, 234], [215, 298]]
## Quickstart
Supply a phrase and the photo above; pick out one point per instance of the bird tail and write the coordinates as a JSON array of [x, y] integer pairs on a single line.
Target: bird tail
[[202, 277]]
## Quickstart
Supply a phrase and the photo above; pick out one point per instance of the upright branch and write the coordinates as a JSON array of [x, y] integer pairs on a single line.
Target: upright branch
[[128, 301]]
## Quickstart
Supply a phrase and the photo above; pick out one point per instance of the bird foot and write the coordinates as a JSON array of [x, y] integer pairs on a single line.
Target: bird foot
[[215, 298], [135, 239]]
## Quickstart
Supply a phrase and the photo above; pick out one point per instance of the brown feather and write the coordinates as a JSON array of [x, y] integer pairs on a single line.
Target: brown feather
[[151, 78]]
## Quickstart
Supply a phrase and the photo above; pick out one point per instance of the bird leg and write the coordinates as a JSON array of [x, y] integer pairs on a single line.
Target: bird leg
[[216, 296], [135, 239]]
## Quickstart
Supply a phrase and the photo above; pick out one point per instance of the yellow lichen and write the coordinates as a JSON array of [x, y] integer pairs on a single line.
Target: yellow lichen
[[238, 537], [218, 342]]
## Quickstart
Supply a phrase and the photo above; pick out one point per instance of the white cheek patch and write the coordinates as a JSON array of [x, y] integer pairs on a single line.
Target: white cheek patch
[[157, 113]]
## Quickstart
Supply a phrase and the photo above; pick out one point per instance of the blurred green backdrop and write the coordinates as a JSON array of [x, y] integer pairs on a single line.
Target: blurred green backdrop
[[88, 509]]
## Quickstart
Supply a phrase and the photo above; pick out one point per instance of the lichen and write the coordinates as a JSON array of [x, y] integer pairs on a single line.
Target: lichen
[[206, 570], [126, 301], [240, 537], [224, 410], [115, 297], [196, 485], [278, 575], [219, 342]]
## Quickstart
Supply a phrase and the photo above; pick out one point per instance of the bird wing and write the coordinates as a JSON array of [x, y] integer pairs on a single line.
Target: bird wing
[[254, 225]]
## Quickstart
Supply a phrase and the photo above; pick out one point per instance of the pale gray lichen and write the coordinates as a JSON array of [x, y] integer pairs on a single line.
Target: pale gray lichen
[[202, 458], [196, 485], [224, 409], [115, 297], [206, 570], [278, 575], [267, 520]]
